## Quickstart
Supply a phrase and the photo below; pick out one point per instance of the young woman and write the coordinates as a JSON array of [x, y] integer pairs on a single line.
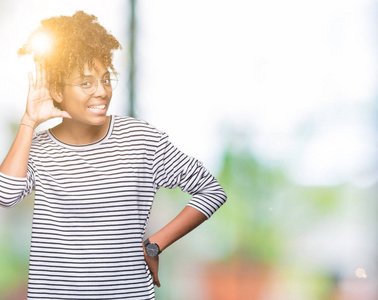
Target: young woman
[[94, 175]]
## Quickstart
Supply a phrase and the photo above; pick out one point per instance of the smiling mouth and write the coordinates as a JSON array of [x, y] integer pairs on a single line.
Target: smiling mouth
[[98, 107]]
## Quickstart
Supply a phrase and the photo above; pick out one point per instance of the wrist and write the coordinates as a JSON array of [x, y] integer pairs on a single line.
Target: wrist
[[151, 248], [28, 121]]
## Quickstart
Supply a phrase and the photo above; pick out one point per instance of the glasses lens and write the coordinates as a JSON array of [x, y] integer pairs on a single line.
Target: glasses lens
[[109, 82], [89, 86]]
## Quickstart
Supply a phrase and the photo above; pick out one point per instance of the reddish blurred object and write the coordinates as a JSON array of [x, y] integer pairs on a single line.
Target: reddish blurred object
[[236, 280], [19, 294]]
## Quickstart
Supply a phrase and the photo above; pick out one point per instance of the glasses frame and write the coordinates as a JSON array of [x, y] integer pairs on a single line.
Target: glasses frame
[[113, 84]]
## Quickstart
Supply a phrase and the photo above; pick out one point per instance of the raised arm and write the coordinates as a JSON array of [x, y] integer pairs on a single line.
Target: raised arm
[[39, 108], [16, 178]]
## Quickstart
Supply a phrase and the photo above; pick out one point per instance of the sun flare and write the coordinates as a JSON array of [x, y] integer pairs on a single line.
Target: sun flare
[[41, 43]]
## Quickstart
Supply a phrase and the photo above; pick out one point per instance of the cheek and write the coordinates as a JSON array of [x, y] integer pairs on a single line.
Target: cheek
[[73, 100]]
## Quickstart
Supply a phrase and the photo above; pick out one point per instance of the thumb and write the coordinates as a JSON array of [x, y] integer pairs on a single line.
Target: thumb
[[66, 115], [58, 113]]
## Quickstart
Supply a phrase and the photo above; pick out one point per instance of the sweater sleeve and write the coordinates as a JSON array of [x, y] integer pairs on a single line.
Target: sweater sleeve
[[172, 168], [14, 189]]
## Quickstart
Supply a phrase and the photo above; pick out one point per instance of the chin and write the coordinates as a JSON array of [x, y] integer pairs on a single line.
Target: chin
[[90, 120], [99, 120]]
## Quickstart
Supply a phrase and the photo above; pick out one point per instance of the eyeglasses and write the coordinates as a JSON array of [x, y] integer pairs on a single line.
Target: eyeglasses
[[90, 83]]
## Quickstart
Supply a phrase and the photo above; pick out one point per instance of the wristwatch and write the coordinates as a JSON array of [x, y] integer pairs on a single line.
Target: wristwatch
[[152, 249]]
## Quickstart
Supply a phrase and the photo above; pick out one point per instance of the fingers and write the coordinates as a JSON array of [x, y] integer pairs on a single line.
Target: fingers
[[41, 74], [31, 80], [44, 75], [156, 282], [38, 74], [155, 278]]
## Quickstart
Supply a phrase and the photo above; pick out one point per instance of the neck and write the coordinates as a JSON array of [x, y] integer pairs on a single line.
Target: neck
[[76, 133]]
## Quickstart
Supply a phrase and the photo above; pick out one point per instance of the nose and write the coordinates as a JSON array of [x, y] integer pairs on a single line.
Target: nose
[[101, 91]]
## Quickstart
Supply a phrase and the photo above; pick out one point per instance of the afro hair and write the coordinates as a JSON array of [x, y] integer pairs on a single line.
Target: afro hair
[[75, 41]]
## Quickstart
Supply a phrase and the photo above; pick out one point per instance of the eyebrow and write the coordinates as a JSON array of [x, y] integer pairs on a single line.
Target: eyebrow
[[106, 73], [88, 75]]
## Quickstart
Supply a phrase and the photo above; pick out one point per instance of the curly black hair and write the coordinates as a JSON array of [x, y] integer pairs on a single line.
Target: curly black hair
[[76, 41]]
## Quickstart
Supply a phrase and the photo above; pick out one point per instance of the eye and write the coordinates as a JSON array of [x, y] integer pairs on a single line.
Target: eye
[[106, 81], [86, 84]]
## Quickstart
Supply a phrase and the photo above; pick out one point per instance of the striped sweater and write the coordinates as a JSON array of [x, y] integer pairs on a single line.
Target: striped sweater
[[92, 204]]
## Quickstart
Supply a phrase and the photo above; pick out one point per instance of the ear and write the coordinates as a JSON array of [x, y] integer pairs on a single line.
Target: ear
[[56, 92]]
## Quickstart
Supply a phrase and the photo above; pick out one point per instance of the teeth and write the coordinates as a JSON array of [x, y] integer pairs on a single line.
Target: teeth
[[97, 107]]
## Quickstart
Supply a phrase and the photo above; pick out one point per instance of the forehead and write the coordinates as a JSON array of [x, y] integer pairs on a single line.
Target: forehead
[[98, 69]]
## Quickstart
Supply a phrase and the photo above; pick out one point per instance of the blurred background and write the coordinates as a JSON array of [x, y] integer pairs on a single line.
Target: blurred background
[[277, 98]]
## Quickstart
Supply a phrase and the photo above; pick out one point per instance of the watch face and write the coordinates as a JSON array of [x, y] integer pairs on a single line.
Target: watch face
[[152, 249]]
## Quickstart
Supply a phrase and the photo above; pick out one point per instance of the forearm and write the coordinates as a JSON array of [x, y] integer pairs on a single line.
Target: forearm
[[186, 221], [16, 161]]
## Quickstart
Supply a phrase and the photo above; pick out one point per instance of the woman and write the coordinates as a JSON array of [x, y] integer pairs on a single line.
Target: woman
[[94, 175]]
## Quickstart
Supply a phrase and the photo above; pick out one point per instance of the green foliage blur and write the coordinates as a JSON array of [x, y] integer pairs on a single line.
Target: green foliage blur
[[266, 207], [15, 236]]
